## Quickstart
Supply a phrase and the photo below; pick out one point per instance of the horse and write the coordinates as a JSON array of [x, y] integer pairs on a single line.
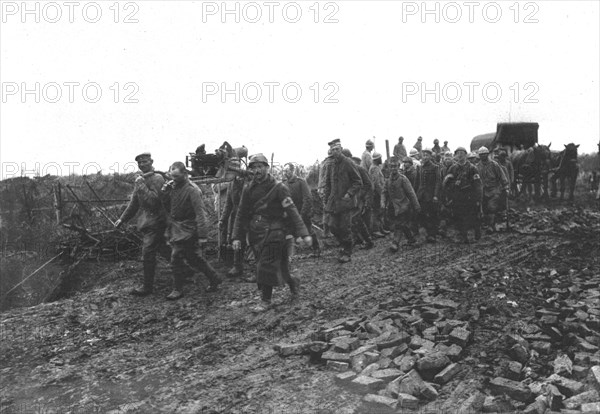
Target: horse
[[564, 168], [531, 168]]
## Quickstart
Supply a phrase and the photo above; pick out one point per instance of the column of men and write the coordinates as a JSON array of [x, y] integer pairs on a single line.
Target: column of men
[[362, 198]]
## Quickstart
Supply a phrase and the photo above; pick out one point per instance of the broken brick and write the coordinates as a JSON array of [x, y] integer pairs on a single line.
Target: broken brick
[[336, 356], [379, 401], [345, 377], [577, 400], [338, 366], [460, 336], [447, 373], [387, 375], [563, 365], [513, 389], [407, 401], [365, 385], [566, 386]]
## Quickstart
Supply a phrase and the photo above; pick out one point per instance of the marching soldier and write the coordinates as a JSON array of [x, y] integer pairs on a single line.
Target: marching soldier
[[415, 156], [400, 149], [495, 186], [187, 231], [302, 198], [378, 182], [464, 189], [473, 158], [428, 193], [419, 145], [263, 208], [321, 189], [445, 147], [234, 194], [436, 150], [411, 171], [151, 221], [342, 184], [445, 200], [401, 203], [367, 159], [507, 166], [362, 220]]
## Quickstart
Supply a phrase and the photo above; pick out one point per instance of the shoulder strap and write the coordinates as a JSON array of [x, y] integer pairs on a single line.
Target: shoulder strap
[[264, 201]]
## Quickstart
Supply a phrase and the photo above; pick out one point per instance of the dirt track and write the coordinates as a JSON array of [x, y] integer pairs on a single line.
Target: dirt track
[[104, 350]]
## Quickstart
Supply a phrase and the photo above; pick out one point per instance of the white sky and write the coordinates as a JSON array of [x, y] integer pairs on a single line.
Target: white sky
[[369, 54]]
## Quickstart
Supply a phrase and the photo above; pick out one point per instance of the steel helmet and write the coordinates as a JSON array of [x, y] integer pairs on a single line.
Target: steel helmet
[[413, 151], [429, 150], [460, 149], [376, 156], [258, 158], [483, 150]]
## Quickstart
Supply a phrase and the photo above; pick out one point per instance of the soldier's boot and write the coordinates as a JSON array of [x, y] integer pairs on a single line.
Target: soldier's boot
[[147, 288], [396, 241], [326, 232], [238, 264], [294, 286], [346, 253], [477, 233], [316, 246]]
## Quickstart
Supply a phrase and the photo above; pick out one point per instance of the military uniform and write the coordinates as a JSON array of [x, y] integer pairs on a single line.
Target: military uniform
[[465, 192], [302, 198], [234, 194], [187, 227], [263, 209], [494, 183], [362, 220], [401, 204], [378, 181], [428, 193], [366, 160], [151, 222], [342, 178], [400, 151]]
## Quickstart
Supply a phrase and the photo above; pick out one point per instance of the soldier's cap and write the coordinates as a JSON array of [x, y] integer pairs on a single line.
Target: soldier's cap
[[483, 150], [369, 143], [335, 143], [401, 138], [436, 141], [413, 151], [142, 156], [420, 139], [445, 142], [460, 149], [408, 159], [376, 156], [429, 150], [347, 153], [502, 152], [258, 158]]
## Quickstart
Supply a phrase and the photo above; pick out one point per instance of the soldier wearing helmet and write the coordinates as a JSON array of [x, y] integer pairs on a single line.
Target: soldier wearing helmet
[[495, 186], [437, 150], [428, 193], [419, 145], [264, 204], [342, 183], [445, 148], [463, 187], [367, 159], [473, 158]]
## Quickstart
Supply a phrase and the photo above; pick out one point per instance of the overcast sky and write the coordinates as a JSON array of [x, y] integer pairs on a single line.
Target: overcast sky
[[365, 64]]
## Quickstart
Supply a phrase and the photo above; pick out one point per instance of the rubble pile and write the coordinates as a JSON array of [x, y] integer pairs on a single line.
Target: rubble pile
[[566, 221], [398, 355], [403, 356]]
